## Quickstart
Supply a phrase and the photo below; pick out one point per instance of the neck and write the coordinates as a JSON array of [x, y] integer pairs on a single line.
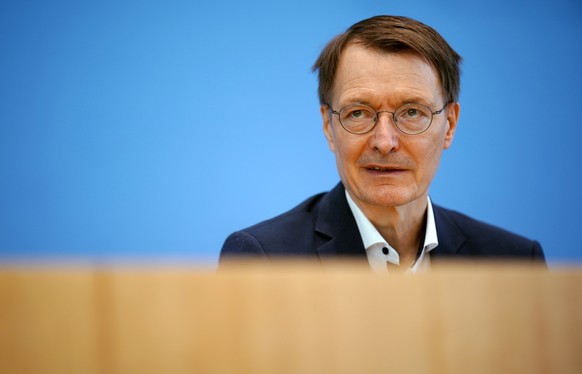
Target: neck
[[402, 226]]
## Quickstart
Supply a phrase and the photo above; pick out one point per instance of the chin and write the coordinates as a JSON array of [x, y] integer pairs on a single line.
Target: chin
[[390, 201], [388, 197]]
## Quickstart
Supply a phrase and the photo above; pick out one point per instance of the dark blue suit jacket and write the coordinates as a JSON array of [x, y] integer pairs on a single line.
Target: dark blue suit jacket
[[323, 226]]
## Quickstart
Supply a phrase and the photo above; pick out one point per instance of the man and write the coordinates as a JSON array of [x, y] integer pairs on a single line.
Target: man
[[388, 89]]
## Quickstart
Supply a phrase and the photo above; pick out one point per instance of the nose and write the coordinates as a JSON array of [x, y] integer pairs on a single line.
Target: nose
[[384, 137]]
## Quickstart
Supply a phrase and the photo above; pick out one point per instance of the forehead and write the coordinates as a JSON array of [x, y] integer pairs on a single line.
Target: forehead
[[368, 74]]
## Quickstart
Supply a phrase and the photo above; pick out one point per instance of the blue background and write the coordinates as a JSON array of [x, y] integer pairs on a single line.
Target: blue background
[[150, 130]]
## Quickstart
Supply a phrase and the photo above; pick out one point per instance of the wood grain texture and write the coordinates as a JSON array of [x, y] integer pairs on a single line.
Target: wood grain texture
[[290, 319]]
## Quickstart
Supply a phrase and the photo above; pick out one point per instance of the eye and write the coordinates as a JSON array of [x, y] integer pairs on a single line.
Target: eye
[[357, 113], [413, 113]]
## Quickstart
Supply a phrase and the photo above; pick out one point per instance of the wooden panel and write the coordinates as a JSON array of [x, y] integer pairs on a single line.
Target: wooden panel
[[292, 319], [48, 322]]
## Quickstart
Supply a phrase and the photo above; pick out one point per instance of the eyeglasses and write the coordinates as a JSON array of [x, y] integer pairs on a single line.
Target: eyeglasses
[[412, 119]]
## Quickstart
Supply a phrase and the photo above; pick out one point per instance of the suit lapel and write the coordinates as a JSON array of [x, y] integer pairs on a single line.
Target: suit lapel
[[337, 227], [450, 237]]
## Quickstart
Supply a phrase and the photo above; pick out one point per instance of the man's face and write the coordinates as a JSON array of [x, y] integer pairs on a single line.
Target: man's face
[[407, 163]]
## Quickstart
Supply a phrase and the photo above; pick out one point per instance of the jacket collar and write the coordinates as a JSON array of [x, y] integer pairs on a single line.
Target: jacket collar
[[451, 238], [336, 222]]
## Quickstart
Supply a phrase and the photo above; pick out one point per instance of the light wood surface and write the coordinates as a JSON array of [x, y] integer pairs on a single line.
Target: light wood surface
[[290, 319]]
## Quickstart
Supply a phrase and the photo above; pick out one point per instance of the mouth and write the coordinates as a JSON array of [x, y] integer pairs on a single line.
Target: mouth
[[384, 169]]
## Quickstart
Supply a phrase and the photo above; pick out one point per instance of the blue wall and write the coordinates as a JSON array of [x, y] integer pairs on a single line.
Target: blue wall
[[152, 129]]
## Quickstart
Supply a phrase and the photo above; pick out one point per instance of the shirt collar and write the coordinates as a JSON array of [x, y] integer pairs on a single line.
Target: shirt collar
[[371, 236], [431, 240]]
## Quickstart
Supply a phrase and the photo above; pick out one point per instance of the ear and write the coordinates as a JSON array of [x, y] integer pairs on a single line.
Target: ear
[[327, 126], [452, 118]]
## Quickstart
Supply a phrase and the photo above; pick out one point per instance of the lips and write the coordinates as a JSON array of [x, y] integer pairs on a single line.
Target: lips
[[384, 168]]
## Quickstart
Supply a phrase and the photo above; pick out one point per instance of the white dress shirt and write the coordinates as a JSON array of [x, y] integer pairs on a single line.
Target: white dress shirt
[[380, 252]]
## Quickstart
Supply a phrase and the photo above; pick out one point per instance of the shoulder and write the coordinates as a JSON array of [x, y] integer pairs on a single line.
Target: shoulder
[[470, 225], [478, 238], [285, 234], [289, 223]]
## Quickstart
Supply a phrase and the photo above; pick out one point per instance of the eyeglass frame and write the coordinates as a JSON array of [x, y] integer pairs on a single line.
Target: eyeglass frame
[[394, 119]]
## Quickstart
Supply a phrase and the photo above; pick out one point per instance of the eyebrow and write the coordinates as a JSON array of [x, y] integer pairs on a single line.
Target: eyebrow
[[355, 100], [409, 100]]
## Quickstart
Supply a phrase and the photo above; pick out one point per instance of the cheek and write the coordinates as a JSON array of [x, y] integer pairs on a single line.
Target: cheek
[[431, 160], [427, 154], [348, 149]]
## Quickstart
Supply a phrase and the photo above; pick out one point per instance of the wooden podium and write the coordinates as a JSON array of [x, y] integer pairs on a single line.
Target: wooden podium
[[295, 318]]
